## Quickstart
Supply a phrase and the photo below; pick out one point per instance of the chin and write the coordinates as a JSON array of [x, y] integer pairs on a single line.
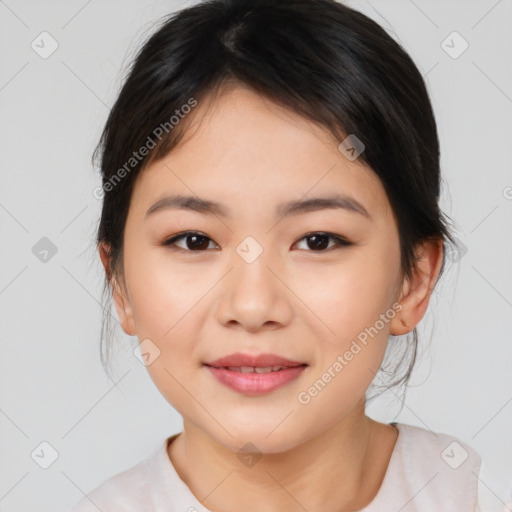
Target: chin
[[257, 439]]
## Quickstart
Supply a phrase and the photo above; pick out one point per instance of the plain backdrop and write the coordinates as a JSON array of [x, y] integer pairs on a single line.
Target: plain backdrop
[[53, 388]]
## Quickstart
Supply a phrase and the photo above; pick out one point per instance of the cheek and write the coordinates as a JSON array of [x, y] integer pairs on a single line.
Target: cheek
[[160, 293], [349, 296], [354, 300]]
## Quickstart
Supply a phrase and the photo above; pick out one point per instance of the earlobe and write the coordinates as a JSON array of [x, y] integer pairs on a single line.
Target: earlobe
[[121, 302], [417, 290], [400, 324]]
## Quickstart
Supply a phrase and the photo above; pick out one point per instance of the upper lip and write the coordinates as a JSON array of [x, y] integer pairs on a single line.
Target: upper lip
[[259, 360]]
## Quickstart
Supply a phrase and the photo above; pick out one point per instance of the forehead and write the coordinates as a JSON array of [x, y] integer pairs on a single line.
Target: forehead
[[241, 146]]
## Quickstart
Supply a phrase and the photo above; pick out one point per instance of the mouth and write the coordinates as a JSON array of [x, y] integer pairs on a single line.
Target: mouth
[[254, 369], [264, 361], [254, 375]]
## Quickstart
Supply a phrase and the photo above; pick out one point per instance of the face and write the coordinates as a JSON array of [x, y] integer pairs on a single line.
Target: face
[[315, 285]]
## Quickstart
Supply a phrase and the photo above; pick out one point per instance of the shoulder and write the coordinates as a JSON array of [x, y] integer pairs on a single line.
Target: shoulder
[[444, 467], [449, 448], [126, 491]]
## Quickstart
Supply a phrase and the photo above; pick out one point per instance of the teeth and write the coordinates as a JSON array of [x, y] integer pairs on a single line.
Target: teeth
[[265, 370], [252, 369]]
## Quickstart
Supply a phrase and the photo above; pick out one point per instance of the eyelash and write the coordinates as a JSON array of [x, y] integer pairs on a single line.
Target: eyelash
[[339, 241]]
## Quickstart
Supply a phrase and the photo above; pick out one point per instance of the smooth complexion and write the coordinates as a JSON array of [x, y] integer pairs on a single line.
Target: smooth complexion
[[294, 300]]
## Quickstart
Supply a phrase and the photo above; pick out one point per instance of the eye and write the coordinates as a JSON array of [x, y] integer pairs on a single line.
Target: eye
[[194, 241], [197, 242], [320, 241]]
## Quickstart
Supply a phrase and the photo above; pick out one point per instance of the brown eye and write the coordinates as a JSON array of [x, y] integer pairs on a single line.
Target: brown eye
[[193, 241], [319, 241]]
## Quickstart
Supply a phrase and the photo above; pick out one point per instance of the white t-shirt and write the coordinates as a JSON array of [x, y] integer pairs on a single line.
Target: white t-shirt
[[427, 472]]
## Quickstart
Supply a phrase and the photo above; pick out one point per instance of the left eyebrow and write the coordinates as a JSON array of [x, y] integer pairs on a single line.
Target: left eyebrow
[[335, 201], [296, 207]]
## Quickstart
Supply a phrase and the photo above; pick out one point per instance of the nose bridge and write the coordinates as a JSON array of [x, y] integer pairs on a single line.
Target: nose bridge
[[252, 282], [252, 295]]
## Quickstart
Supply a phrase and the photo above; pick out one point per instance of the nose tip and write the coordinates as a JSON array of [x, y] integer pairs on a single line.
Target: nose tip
[[254, 298]]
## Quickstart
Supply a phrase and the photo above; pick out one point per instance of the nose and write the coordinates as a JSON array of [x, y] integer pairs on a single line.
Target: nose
[[254, 297]]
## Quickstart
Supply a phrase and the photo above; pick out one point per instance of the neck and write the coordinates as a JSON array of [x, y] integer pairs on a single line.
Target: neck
[[331, 471]]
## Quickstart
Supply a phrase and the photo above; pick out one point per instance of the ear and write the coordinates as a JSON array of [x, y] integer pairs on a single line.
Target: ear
[[119, 294], [416, 292]]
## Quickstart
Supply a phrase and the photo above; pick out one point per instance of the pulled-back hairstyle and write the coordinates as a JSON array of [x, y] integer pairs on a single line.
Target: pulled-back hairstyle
[[319, 58]]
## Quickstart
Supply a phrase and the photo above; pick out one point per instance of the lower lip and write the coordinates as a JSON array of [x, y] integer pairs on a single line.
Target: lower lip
[[255, 383]]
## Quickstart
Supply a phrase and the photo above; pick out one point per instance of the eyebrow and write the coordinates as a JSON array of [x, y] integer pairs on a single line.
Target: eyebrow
[[295, 207]]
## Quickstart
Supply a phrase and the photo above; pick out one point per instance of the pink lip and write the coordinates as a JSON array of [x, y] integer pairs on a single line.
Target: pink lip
[[254, 383], [261, 360]]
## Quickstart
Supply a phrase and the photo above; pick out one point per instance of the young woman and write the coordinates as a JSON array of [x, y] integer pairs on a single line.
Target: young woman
[[270, 226]]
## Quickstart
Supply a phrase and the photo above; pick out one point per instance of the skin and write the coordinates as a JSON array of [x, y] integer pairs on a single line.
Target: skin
[[305, 304]]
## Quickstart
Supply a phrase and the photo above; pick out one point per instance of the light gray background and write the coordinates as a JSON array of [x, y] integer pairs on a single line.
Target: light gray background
[[53, 387]]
